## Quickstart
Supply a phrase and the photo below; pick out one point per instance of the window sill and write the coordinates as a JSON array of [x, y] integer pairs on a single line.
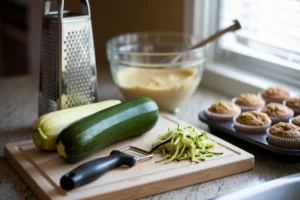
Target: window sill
[[229, 79]]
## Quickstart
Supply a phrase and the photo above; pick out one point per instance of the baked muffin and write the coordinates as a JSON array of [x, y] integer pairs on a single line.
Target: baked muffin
[[275, 94], [284, 135], [295, 121], [222, 111], [277, 112], [248, 101], [294, 104], [252, 122]]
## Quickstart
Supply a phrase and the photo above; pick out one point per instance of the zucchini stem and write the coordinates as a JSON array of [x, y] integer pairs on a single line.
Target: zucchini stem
[[39, 138], [60, 147]]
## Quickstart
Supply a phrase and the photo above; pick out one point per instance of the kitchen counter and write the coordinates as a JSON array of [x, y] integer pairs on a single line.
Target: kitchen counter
[[18, 111]]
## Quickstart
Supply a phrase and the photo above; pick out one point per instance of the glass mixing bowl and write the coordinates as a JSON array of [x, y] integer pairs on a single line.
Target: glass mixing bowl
[[157, 65]]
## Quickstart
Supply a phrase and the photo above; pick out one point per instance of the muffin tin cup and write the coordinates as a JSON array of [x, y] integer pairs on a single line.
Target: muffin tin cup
[[270, 100], [220, 117], [276, 120], [248, 108], [289, 143], [296, 110], [291, 122], [250, 129]]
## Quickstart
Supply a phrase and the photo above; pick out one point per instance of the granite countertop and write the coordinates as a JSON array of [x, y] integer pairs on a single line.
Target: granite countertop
[[18, 111]]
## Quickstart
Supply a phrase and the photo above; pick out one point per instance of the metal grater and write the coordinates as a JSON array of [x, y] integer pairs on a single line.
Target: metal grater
[[68, 76]]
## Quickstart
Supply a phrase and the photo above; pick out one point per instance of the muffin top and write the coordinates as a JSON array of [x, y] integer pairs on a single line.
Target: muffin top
[[293, 102], [247, 99], [296, 120], [285, 130], [224, 107], [276, 110], [278, 93], [253, 118]]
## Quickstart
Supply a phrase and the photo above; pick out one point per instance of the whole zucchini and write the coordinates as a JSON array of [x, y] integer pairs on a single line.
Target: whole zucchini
[[46, 129], [117, 123]]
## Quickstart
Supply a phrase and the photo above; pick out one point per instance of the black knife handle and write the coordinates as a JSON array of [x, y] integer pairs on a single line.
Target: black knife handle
[[93, 169]]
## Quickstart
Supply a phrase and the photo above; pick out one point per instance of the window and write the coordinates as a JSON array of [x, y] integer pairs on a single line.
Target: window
[[268, 45], [271, 30]]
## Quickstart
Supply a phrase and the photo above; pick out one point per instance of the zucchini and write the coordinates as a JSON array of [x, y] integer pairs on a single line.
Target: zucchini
[[117, 123], [46, 129]]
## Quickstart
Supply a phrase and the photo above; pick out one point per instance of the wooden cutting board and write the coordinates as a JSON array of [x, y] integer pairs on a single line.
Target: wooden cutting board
[[43, 170]]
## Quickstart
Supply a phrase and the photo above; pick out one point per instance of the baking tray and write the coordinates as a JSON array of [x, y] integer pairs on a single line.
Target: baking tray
[[259, 140]]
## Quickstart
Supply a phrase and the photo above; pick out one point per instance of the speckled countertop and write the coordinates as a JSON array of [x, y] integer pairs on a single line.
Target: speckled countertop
[[18, 111]]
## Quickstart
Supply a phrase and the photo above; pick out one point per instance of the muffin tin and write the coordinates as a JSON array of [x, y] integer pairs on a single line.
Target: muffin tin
[[259, 140]]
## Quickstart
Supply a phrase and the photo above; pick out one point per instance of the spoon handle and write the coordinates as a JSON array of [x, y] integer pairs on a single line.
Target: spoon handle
[[234, 27]]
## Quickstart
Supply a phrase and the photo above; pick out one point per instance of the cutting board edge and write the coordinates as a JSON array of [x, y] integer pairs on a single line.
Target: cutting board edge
[[33, 185], [125, 194]]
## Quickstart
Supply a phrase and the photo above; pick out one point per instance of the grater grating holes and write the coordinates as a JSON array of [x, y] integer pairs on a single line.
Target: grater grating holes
[[79, 72], [48, 73]]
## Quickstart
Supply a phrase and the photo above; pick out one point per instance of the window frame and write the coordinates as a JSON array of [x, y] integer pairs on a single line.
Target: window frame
[[202, 20]]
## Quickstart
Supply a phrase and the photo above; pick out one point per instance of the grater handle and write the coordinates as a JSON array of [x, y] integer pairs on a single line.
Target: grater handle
[[85, 8], [47, 7]]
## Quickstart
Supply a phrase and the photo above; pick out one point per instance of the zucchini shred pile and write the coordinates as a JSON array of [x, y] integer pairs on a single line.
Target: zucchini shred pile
[[186, 143]]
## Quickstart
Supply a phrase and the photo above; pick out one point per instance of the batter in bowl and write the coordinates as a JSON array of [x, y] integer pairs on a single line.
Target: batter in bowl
[[168, 87]]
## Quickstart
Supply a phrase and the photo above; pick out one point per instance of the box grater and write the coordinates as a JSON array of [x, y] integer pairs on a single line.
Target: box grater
[[68, 76]]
